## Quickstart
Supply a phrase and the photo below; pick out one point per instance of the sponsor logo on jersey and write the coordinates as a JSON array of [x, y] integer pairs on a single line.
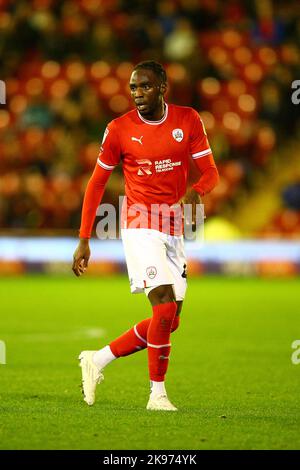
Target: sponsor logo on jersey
[[159, 166], [151, 272], [177, 134], [135, 139], [165, 165], [145, 167]]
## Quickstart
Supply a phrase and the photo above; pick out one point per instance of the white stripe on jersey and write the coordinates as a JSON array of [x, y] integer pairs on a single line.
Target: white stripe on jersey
[[155, 123], [103, 165], [201, 154]]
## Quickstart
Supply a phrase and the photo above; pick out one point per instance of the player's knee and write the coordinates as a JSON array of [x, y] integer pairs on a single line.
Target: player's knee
[[162, 295], [166, 299], [179, 306], [164, 315]]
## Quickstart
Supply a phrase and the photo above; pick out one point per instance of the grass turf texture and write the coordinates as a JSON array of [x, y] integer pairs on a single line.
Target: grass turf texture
[[230, 372]]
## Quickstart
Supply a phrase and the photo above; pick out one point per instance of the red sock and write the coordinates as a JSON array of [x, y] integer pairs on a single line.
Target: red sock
[[135, 339], [132, 340], [158, 340], [175, 323]]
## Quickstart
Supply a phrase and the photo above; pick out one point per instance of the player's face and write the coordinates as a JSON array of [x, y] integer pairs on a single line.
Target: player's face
[[147, 92]]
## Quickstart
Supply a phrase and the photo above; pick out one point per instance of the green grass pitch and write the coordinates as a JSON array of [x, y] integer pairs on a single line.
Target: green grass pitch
[[230, 373]]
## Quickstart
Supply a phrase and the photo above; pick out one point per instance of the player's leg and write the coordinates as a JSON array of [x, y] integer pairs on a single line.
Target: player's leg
[[134, 339], [176, 321], [176, 261], [145, 255], [164, 308]]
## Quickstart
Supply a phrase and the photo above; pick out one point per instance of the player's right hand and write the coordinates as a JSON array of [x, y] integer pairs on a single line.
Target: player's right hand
[[81, 257]]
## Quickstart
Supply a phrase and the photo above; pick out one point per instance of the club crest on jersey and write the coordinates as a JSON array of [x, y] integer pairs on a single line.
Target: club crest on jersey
[[151, 272], [177, 134]]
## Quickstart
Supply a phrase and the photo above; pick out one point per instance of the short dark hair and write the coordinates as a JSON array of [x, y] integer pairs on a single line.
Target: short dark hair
[[156, 67]]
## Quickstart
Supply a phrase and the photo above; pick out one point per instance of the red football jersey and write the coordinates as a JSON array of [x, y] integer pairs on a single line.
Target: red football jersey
[[155, 158]]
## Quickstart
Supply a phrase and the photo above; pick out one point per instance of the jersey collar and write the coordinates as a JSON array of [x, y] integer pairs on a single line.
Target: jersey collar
[[155, 123]]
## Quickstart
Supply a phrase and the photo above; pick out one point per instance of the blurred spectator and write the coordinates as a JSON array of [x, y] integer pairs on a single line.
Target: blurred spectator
[[38, 114], [291, 196], [66, 67], [180, 44]]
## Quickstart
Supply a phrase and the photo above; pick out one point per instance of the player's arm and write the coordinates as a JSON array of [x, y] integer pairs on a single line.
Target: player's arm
[[109, 157], [209, 174], [92, 198], [202, 155], [193, 198], [208, 180]]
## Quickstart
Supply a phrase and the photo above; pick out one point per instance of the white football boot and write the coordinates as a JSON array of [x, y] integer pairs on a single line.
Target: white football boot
[[160, 403], [91, 376]]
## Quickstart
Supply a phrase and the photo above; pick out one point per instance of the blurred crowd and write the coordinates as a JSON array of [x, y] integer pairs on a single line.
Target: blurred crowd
[[66, 66]]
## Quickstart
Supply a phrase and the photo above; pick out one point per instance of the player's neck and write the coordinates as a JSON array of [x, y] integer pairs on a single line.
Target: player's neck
[[158, 114]]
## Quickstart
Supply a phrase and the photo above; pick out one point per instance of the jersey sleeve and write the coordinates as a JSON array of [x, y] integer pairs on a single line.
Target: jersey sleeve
[[92, 198], [209, 175], [110, 150], [199, 145]]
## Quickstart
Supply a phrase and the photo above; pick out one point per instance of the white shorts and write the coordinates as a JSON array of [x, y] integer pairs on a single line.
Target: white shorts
[[153, 259]]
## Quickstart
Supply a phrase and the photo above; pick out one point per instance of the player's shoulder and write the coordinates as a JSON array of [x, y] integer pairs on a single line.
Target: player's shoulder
[[184, 111], [124, 120]]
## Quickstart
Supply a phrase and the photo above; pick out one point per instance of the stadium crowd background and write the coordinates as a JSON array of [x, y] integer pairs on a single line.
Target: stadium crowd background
[[66, 67]]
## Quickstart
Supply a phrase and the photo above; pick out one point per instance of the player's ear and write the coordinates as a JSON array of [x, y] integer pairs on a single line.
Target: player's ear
[[163, 88]]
